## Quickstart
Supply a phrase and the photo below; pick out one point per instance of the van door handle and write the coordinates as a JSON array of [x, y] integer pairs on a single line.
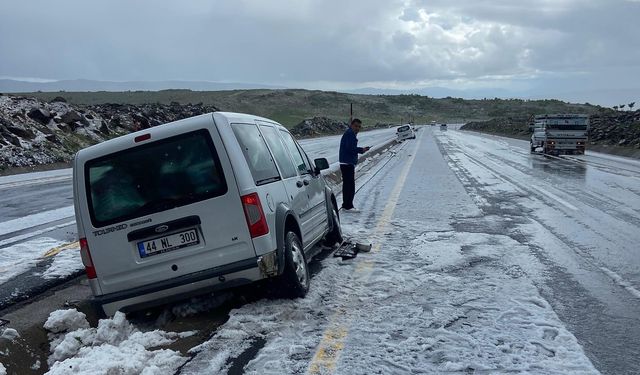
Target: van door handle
[[299, 184]]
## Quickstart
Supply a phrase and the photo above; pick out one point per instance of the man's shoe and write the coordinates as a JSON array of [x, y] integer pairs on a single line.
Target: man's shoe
[[351, 210]]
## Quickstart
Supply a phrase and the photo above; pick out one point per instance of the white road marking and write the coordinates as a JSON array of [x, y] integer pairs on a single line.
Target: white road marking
[[21, 237], [622, 282], [36, 219], [333, 340], [555, 198]]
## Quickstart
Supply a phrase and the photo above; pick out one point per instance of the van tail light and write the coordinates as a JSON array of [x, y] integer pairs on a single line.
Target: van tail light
[[142, 137], [256, 220], [86, 259]]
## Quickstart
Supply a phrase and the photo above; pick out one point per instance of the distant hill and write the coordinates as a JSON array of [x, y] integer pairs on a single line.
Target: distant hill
[[49, 127], [14, 86], [291, 106], [607, 97], [438, 92]]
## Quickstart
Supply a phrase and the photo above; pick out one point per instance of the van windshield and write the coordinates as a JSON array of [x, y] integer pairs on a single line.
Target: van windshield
[[153, 177]]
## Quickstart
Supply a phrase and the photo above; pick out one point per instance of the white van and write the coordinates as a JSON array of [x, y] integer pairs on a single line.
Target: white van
[[206, 203], [405, 132]]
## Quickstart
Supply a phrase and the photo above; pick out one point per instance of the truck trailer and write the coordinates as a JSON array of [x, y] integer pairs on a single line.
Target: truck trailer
[[560, 134]]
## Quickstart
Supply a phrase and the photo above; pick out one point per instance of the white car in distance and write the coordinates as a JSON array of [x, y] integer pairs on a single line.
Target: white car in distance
[[405, 132]]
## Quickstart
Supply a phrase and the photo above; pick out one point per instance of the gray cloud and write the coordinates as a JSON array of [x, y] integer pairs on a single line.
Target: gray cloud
[[409, 43], [410, 14]]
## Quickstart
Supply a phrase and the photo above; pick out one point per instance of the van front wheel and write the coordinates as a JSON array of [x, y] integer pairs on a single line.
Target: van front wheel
[[295, 278], [335, 234]]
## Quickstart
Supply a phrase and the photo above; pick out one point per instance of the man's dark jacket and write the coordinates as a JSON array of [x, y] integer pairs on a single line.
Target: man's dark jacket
[[349, 149]]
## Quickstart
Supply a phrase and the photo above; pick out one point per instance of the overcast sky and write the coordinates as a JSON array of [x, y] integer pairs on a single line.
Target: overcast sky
[[542, 48]]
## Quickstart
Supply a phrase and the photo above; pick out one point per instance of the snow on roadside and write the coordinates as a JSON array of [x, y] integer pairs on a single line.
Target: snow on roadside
[[18, 258], [446, 301], [65, 320], [448, 307], [65, 264], [290, 328], [9, 334], [3, 371], [115, 346]]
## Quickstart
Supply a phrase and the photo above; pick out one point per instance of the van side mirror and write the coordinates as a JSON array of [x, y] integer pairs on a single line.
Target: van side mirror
[[321, 164]]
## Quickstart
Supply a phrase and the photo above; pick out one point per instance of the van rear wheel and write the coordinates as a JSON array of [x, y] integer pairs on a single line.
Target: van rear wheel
[[295, 278]]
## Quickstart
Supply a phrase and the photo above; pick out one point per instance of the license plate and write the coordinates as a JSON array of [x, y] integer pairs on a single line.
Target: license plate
[[168, 243]]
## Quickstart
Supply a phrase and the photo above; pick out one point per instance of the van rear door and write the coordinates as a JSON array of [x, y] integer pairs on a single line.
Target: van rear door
[[166, 208]]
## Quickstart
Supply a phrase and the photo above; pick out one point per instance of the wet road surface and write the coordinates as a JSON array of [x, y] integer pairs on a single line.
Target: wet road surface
[[486, 259], [582, 217]]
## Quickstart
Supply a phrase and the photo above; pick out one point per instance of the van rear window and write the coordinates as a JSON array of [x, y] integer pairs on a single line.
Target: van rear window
[[153, 177], [403, 128]]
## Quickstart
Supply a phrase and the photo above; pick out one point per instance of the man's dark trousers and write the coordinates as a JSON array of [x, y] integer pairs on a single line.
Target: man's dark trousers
[[348, 185]]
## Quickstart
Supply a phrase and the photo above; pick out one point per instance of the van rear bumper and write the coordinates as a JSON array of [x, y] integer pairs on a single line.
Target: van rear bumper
[[179, 288]]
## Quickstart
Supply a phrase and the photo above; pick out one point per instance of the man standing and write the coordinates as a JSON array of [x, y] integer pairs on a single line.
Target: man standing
[[349, 151]]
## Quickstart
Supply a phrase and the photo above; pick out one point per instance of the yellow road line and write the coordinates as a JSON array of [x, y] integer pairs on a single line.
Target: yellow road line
[[57, 249], [333, 340]]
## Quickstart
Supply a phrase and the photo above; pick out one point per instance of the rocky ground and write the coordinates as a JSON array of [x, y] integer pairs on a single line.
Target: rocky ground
[[34, 132], [317, 126], [613, 131], [616, 128]]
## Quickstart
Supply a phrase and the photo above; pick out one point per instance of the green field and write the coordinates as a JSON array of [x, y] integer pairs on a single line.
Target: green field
[[289, 107]]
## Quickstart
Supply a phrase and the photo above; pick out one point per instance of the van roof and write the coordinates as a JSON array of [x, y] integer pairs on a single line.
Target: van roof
[[125, 141], [239, 117]]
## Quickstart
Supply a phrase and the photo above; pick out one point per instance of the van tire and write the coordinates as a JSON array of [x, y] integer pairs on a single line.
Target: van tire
[[335, 234], [295, 277]]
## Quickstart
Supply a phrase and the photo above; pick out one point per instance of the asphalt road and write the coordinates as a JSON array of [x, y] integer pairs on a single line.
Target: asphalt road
[[469, 232], [582, 216], [485, 258]]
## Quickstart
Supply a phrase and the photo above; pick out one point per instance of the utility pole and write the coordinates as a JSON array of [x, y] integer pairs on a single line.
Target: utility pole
[[350, 113]]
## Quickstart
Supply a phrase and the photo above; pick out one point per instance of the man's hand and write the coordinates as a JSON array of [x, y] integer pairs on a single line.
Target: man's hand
[[367, 148]]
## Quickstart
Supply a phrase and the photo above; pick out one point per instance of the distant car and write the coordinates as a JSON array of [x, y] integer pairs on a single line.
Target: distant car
[[405, 132], [443, 126], [202, 204]]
